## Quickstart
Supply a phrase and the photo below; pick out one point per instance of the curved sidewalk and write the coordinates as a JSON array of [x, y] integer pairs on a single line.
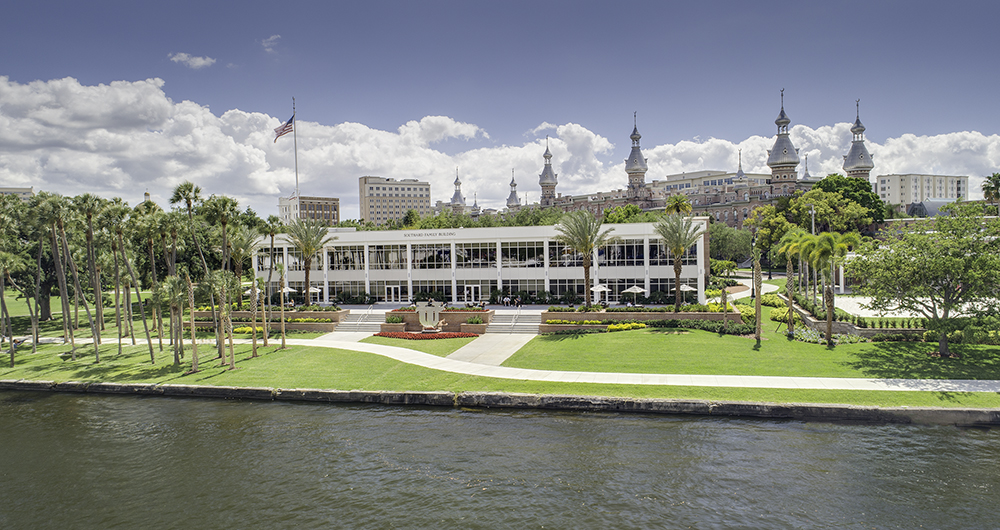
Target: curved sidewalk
[[434, 362]]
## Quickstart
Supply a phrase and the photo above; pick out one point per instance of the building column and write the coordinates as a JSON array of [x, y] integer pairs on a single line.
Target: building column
[[326, 276], [454, 282], [368, 282], [545, 264], [409, 270]]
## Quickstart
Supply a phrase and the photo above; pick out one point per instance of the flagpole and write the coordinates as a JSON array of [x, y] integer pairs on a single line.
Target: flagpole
[[295, 140]]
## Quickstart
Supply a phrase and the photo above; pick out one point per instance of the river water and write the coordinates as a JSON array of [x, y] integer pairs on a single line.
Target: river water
[[74, 461]]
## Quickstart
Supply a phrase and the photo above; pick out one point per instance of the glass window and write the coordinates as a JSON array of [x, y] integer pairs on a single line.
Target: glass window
[[475, 255], [561, 256], [522, 254], [629, 252], [382, 257], [347, 258], [431, 257]]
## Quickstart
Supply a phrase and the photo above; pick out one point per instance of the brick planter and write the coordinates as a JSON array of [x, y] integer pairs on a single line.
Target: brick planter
[[453, 320], [844, 328], [732, 316], [334, 316], [478, 329], [393, 328]]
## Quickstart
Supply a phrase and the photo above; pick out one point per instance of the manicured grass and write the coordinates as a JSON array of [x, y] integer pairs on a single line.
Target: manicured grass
[[304, 367], [439, 347], [659, 351]]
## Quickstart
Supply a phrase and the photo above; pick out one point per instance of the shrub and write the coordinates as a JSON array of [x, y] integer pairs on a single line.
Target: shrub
[[931, 335], [896, 337], [713, 293], [589, 309], [246, 329], [625, 326], [772, 300], [560, 309], [714, 326], [780, 314], [393, 319], [748, 314], [474, 320]]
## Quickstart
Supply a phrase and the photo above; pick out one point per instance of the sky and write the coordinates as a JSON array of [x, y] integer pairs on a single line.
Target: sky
[[120, 98]]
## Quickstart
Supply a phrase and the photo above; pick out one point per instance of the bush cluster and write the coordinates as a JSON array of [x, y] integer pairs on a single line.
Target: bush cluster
[[424, 336], [780, 314], [393, 319], [625, 326]]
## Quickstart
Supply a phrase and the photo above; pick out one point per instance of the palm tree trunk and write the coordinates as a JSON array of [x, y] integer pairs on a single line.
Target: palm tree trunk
[[828, 292], [138, 294], [253, 316], [789, 292], [57, 262], [118, 305], [38, 288], [281, 286], [586, 280], [677, 285], [194, 340], [86, 307], [267, 292], [725, 309], [6, 318], [757, 278]]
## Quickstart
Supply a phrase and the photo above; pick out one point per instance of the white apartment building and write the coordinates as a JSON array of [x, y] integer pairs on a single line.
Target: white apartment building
[[911, 188], [386, 199], [466, 264], [24, 193]]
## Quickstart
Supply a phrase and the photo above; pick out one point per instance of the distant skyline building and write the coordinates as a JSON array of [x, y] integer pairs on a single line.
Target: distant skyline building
[[24, 193], [385, 199], [325, 209]]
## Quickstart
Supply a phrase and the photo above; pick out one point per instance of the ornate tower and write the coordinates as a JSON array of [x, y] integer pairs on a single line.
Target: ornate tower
[[740, 180], [457, 200], [858, 163], [547, 180], [513, 203], [783, 157], [635, 166]]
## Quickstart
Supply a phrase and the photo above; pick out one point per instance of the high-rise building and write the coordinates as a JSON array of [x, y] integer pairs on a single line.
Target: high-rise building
[[387, 199], [325, 209]]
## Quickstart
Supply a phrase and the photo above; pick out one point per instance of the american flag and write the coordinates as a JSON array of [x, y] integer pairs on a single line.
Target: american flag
[[284, 129]]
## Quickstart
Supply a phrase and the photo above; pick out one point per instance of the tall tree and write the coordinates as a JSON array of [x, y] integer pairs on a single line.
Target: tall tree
[[581, 232], [935, 268], [308, 236], [120, 211], [89, 206], [829, 251], [678, 204], [991, 189], [857, 190], [8, 263], [272, 227], [678, 233], [242, 244], [789, 247]]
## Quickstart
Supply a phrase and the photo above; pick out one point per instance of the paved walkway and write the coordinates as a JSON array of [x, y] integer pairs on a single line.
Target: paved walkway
[[456, 365]]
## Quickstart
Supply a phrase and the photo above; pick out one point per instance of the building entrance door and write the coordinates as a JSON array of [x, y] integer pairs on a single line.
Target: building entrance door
[[472, 293], [392, 293]]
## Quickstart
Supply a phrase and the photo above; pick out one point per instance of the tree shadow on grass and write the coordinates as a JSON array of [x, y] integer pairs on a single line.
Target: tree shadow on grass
[[910, 360]]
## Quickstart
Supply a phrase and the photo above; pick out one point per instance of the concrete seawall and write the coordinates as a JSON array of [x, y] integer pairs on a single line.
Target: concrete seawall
[[792, 411]]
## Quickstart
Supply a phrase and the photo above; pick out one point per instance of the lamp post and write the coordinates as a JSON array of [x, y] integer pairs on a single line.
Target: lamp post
[[812, 212]]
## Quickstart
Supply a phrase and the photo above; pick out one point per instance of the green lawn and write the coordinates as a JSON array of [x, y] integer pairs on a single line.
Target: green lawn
[[304, 367], [661, 351], [439, 347]]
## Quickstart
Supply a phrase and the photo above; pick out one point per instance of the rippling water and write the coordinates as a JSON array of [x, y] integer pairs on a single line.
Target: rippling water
[[71, 461]]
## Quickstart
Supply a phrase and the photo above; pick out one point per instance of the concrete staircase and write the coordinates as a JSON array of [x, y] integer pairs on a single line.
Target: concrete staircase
[[514, 322], [362, 321]]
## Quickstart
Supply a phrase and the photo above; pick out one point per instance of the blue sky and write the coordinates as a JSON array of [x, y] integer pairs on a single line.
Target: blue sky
[[502, 75]]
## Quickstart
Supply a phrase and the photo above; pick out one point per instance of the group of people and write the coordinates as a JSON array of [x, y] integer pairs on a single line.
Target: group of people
[[508, 301]]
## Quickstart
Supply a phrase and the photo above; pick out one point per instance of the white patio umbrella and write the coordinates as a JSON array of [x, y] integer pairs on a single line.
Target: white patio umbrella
[[314, 290], [635, 290], [289, 290], [599, 288]]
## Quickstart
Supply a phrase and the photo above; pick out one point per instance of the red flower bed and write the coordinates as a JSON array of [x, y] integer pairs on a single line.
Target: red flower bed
[[423, 336], [411, 309]]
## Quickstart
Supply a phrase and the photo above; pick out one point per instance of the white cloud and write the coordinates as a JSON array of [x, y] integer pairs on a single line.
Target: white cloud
[[121, 138], [270, 43], [191, 61]]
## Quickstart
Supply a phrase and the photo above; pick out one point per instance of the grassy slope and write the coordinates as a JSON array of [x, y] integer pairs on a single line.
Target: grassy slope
[[303, 367], [700, 352], [439, 347]]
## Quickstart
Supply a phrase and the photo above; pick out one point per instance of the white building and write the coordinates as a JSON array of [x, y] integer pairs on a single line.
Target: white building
[[466, 264], [910, 188], [385, 199], [24, 193]]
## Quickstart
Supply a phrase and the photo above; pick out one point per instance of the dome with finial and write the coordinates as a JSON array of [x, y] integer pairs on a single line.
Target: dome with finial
[[635, 163], [782, 153], [512, 200], [457, 199], [858, 162], [548, 177]]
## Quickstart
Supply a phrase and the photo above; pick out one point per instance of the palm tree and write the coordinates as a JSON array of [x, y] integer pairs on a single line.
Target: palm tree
[[194, 340], [677, 204], [308, 236], [8, 263], [756, 294], [280, 267], [580, 232], [119, 211], [830, 250], [50, 209], [679, 233], [242, 244], [89, 206], [220, 210], [789, 247], [174, 292], [991, 189], [272, 227]]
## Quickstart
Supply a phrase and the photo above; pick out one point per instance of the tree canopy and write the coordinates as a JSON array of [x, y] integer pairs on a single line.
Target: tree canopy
[[857, 190], [937, 268]]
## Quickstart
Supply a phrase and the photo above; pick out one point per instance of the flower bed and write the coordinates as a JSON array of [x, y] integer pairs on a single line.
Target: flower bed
[[453, 319], [424, 336]]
